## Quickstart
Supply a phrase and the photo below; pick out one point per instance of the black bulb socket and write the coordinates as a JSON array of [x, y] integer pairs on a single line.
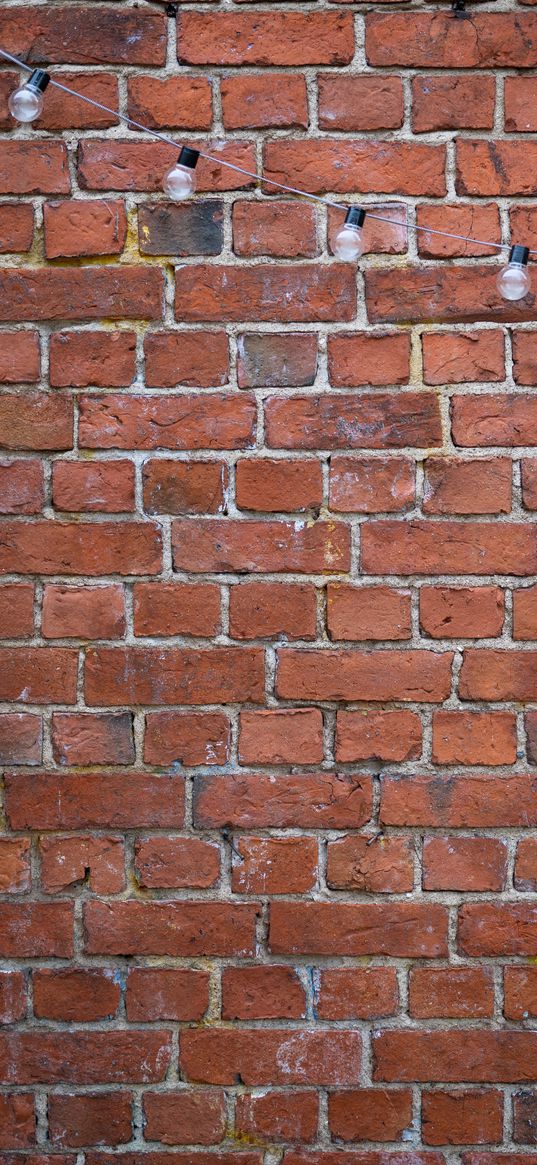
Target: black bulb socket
[[38, 80], [188, 157], [355, 217], [519, 255]]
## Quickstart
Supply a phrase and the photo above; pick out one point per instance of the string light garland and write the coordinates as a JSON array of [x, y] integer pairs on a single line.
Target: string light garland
[[26, 104]]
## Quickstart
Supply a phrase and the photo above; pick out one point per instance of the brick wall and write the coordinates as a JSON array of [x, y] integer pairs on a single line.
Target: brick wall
[[268, 689]]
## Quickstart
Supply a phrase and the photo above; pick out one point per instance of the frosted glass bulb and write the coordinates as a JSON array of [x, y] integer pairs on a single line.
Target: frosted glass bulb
[[26, 103], [349, 243], [180, 182], [513, 282]]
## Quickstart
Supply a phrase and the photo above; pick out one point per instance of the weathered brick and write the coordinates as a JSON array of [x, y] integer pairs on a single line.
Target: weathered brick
[[430, 1056], [16, 610], [39, 421], [176, 609], [501, 419], [103, 359], [19, 356], [290, 293], [98, 486], [462, 1117], [371, 485], [196, 228], [262, 610], [271, 1056], [334, 422], [418, 547], [281, 359], [372, 167], [83, 612], [385, 736], [370, 612], [154, 422], [473, 223], [278, 486], [493, 40], [268, 38], [94, 801], [135, 675], [15, 874], [192, 738], [277, 229], [17, 1121], [403, 929], [349, 674], [170, 102], [469, 738], [110, 164], [258, 992], [284, 865], [75, 995], [371, 866], [452, 102], [464, 863], [70, 548], [48, 34], [16, 227], [370, 1114], [176, 994], [457, 357], [276, 101], [451, 992], [20, 738], [188, 358], [90, 1119], [34, 167], [21, 487], [281, 736], [355, 993], [71, 862], [175, 862], [77, 228], [360, 103], [324, 801], [355, 359], [169, 928], [185, 1117], [81, 293], [184, 487], [228, 545], [84, 1057], [473, 802], [92, 738], [462, 612], [440, 295]]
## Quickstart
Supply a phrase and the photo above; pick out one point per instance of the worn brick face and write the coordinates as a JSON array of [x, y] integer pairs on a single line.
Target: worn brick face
[[268, 610]]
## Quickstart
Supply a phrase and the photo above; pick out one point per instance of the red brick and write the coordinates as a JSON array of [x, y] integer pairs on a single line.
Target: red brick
[[276, 101], [81, 995], [165, 609], [334, 422], [475, 221], [169, 928], [266, 38], [141, 165], [371, 485], [90, 1119], [524, 1117], [280, 359], [457, 357], [32, 167], [41, 421], [171, 102], [12, 996], [135, 675], [92, 739], [439, 294], [453, 102], [259, 992], [370, 865], [19, 357], [358, 358], [451, 992], [525, 613], [523, 223], [464, 863], [281, 736], [525, 876], [462, 1117], [15, 873], [307, 293], [191, 738], [16, 229], [495, 167], [400, 929], [385, 736], [237, 546], [176, 487], [88, 487], [84, 1057], [360, 103], [75, 228], [17, 1120], [176, 862], [71, 862], [497, 928], [324, 801], [104, 359], [374, 612], [487, 674], [83, 612], [491, 41], [494, 420], [72, 548], [520, 992], [94, 800], [277, 229], [524, 357], [261, 610], [519, 96], [20, 739], [38, 675], [430, 1056], [278, 486], [385, 235], [173, 358], [344, 166], [63, 111], [270, 1056], [170, 994], [186, 1117], [81, 293], [283, 865], [32, 930], [16, 610], [291, 1116], [418, 547], [180, 422], [474, 738], [349, 674], [478, 802], [370, 1114], [354, 993], [58, 35], [461, 612], [21, 487]]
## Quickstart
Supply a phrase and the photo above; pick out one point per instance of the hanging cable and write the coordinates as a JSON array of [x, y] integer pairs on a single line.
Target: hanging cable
[[29, 96]]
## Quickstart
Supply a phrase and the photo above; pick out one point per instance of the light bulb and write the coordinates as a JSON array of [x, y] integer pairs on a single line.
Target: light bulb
[[26, 103], [349, 243], [514, 281], [180, 182]]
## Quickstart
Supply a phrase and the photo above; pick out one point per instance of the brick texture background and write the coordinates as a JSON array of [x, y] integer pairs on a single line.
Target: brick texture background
[[268, 608]]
